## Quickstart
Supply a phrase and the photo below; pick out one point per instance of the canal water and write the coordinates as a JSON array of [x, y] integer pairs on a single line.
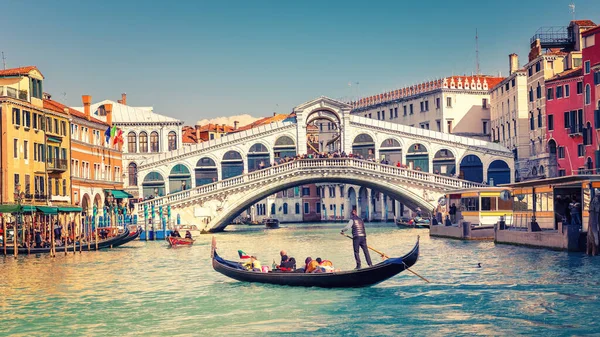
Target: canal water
[[147, 289]]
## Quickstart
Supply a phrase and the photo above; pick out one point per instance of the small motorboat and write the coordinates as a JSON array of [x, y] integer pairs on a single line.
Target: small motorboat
[[271, 223], [413, 223], [175, 241]]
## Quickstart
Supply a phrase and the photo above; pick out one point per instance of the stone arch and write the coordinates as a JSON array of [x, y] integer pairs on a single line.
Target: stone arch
[[391, 151], [172, 140], [417, 157], [206, 171], [364, 145], [589, 165], [258, 156], [132, 174], [98, 202], [153, 185], [232, 164], [471, 168], [323, 113], [180, 178], [552, 146], [498, 173], [86, 204], [154, 142], [444, 162], [285, 146], [541, 170], [143, 142], [131, 142], [534, 171]]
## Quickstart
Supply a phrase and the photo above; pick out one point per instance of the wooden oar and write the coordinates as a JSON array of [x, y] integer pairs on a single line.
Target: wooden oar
[[387, 257]]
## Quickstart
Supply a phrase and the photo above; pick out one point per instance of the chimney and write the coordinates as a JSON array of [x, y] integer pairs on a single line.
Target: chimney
[[235, 124], [87, 100], [123, 99], [513, 63], [108, 108], [197, 133], [274, 114], [223, 126]]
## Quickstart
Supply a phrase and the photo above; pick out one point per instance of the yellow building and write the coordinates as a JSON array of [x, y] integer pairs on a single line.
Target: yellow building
[[35, 142]]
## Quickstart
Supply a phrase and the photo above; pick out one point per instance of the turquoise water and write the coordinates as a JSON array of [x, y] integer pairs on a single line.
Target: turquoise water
[[147, 289]]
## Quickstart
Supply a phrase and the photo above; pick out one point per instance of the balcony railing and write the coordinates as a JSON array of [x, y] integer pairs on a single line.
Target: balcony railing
[[57, 164], [576, 129]]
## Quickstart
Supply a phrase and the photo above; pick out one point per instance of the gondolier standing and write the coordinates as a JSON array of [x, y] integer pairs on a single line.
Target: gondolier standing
[[359, 238]]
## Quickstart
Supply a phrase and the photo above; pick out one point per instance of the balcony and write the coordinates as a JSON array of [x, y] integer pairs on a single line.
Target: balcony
[[56, 165], [575, 130]]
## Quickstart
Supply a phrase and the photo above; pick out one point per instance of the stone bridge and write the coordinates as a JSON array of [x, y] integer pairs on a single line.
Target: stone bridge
[[220, 202]]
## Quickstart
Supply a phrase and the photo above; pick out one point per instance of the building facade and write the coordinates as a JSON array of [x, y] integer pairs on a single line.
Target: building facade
[[591, 89], [458, 104], [509, 114]]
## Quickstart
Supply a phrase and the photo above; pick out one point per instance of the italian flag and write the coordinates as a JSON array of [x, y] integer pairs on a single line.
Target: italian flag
[[243, 255]]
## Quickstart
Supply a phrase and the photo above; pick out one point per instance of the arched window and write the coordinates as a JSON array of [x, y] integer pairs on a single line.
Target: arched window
[[273, 209], [143, 142], [132, 174], [588, 94], [131, 142], [285, 208], [297, 208], [154, 141], [172, 141]]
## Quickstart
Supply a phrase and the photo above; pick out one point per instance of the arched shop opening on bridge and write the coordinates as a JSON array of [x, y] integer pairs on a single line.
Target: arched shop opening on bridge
[[284, 147], [417, 158], [258, 157], [364, 146], [471, 169], [444, 163], [206, 171], [232, 164], [153, 185], [498, 173], [391, 151], [180, 179]]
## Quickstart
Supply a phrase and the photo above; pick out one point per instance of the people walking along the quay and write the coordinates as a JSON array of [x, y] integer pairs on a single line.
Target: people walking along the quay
[[359, 238]]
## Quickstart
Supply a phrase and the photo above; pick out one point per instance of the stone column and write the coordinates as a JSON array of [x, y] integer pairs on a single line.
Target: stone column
[[382, 206], [369, 210]]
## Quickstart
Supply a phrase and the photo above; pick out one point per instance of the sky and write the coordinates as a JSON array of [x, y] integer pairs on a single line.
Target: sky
[[196, 60]]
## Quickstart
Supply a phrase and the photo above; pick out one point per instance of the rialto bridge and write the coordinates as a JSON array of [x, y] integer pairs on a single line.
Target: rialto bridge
[[218, 179]]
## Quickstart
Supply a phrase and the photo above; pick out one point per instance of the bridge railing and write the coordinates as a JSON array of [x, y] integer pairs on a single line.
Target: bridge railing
[[302, 164]]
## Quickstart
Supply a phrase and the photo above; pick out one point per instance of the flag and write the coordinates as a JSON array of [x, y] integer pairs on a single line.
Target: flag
[[107, 134], [118, 137], [243, 255], [113, 131]]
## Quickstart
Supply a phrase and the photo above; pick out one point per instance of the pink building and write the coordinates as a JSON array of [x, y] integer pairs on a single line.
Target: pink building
[[591, 86]]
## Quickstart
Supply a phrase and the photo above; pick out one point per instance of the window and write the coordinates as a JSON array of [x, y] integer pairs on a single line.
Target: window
[[411, 109], [56, 129], [567, 120], [297, 208], [550, 122], [378, 116], [561, 152], [579, 88], [513, 83], [35, 120], [172, 141], [143, 142], [537, 67], [305, 191], [562, 172], [16, 117], [131, 142], [57, 186], [306, 209], [587, 67], [285, 208], [531, 121], [25, 149], [63, 128], [16, 148], [449, 102], [17, 180], [580, 150], [530, 71], [449, 126], [404, 109], [484, 103], [64, 186], [531, 94], [48, 124], [439, 126], [567, 90], [597, 78], [27, 185], [588, 94], [437, 103], [395, 112], [132, 174], [26, 119], [550, 94], [391, 113], [318, 208], [422, 106], [539, 118], [426, 105], [538, 91]]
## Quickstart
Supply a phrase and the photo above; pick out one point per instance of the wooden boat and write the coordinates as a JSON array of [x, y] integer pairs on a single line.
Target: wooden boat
[[173, 241], [114, 241], [411, 223], [271, 223], [132, 235], [341, 279]]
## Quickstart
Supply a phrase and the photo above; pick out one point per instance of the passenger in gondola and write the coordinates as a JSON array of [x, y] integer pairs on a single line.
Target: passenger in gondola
[[253, 264], [175, 233], [188, 235], [325, 266], [310, 265], [287, 263]]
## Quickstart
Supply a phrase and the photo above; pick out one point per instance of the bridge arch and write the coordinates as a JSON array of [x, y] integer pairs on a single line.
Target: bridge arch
[[323, 113], [258, 156], [391, 150], [444, 162], [232, 164], [404, 194], [180, 178], [499, 171], [153, 185], [364, 144], [471, 168], [206, 171], [285, 146], [417, 157]]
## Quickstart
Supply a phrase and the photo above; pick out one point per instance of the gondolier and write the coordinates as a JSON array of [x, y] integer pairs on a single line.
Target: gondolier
[[359, 238]]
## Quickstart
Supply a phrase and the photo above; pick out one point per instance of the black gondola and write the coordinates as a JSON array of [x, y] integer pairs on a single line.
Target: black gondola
[[343, 279], [111, 242], [131, 237]]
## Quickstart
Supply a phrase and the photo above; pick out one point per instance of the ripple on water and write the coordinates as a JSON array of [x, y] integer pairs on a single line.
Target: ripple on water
[[146, 289]]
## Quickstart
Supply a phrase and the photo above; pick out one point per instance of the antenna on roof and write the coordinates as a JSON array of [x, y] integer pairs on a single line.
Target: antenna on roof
[[3, 61], [477, 51], [572, 9]]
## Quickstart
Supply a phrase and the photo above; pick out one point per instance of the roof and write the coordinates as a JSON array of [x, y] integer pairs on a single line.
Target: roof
[[19, 71], [591, 31], [575, 72], [263, 121], [216, 128], [188, 135], [59, 107], [127, 114], [584, 22]]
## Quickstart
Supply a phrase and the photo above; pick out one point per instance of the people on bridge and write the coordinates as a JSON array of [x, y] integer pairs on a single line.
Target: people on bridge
[[188, 235], [175, 233], [359, 238]]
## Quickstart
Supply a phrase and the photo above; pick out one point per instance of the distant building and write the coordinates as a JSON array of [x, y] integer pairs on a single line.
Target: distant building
[[457, 104]]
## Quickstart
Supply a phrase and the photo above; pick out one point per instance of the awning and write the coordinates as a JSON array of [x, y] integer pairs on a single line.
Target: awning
[[28, 209], [9, 208], [119, 194], [47, 210], [54, 139], [69, 209]]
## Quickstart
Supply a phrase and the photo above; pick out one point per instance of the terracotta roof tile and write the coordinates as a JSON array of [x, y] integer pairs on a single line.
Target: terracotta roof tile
[[263, 121], [18, 71], [584, 22], [59, 107], [575, 72]]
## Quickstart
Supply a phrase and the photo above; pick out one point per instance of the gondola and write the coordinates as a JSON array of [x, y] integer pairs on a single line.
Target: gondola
[[271, 223], [341, 279], [115, 241], [175, 241], [407, 223], [132, 236]]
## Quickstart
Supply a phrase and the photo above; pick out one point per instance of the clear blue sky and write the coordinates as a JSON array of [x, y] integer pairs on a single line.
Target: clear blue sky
[[195, 60]]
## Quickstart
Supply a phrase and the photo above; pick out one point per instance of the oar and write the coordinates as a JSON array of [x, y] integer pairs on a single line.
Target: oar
[[387, 257]]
